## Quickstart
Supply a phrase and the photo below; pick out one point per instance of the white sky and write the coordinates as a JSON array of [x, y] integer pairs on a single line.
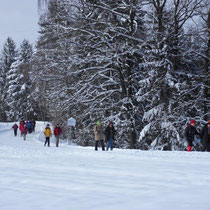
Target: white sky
[[19, 20]]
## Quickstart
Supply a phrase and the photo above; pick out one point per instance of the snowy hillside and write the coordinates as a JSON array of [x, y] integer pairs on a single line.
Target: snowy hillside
[[34, 177]]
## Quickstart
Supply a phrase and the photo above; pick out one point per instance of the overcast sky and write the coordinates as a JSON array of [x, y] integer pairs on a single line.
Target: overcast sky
[[19, 20]]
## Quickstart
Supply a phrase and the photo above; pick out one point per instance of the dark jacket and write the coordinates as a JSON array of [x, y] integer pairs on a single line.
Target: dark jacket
[[205, 136], [25, 129], [109, 132], [15, 126], [189, 133]]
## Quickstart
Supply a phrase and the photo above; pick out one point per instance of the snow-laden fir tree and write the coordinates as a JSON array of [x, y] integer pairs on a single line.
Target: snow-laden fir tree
[[204, 35], [19, 85], [170, 97], [9, 56], [193, 65], [51, 62], [159, 85]]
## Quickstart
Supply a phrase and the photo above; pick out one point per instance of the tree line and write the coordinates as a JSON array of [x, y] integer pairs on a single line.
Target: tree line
[[142, 64]]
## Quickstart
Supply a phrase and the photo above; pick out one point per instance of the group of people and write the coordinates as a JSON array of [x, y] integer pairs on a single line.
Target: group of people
[[109, 135], [48, 133], [25, 127], [190, 132]]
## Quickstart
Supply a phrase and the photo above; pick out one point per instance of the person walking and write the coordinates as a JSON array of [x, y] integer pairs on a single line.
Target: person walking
[[57, 133], [205, 137], [98, 131], [189, 133], [29, 125], [48, 133], [15, 128], [33, 125], [25, 131], [109, 135], [21, 127]]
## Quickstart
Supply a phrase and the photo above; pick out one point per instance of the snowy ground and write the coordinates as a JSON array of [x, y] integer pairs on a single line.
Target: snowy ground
[[34, 177]]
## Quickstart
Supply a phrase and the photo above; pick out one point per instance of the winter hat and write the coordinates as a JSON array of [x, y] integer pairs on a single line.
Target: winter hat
[[98, 122], [48, 125], [208, 122], [192, 122]]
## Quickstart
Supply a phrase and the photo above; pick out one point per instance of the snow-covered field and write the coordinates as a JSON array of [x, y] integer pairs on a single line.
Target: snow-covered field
[[34, 177]]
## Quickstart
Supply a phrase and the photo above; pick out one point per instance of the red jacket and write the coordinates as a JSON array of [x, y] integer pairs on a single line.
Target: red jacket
[[57, 131], [21, 126]]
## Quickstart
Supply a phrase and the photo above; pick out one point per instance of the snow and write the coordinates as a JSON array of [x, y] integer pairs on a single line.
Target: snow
[[34, 177]]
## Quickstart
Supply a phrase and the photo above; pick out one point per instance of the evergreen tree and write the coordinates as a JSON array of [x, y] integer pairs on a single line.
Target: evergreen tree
[[19, 88], [170, 53], [158, 86], [13, 95], [9, 56], [26, 108], [204, 35]]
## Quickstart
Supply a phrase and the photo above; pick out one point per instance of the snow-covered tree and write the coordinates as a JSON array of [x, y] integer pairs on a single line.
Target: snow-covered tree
[[19, 85], [98, 45], [159, 85], [120, 61], [169, 61], [204, 35], [193, 68], [9, 55]]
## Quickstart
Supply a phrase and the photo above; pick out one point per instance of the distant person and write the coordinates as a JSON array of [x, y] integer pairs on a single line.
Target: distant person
[[48, 133], [205, 136], [15, 128], [21, 127], [33, 125], [109, 135], [25, 131], [57, 133], [98, 131], [189, 133], [29, 125]]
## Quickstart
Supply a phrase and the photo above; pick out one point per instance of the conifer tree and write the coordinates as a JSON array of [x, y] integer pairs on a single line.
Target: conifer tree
[[9, 56], [158, 86], [19, 91]]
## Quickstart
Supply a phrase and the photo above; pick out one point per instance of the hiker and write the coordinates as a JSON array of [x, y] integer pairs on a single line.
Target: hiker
[[15, 128], [33, 125], [189, 133], [21, 126], [109, 135], [29, 125], [57, 133], [48, 134], [25, 131], [205, 136], [98, 131]]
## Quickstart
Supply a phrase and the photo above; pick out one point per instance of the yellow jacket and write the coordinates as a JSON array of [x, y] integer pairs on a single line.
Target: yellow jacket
[[47, 132]]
